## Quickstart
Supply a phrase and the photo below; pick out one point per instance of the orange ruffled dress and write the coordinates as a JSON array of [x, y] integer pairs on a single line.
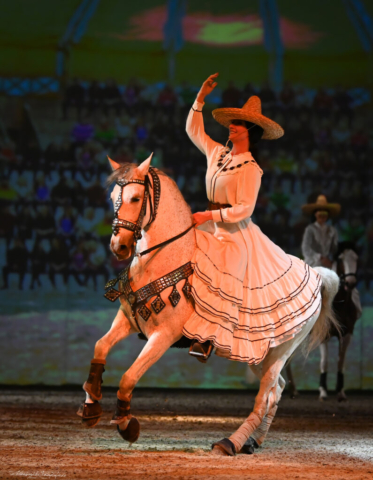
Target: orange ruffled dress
[[249, 294]]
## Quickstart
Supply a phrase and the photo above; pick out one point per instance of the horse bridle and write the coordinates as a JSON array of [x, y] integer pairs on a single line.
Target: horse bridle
[[136, 228], [343, 275]]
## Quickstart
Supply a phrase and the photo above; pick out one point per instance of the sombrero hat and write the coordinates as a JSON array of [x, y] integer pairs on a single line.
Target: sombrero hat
[[250, 112], [322, 204]]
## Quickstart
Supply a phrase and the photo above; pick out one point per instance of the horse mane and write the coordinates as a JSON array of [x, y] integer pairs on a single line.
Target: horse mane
[[126, 172]]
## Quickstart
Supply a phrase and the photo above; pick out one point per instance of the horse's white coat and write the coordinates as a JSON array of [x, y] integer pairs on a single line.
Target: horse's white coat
[[164, 329]]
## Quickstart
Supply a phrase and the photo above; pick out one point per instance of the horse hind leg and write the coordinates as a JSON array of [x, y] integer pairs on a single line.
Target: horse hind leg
[[344, 342], [258, 436], [265, 402], [271, 385]]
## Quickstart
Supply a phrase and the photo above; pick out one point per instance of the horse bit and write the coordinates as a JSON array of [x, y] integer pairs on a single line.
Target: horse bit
[[138, 299]]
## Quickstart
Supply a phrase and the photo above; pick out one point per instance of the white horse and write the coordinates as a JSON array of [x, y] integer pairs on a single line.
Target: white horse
[[165, 328]]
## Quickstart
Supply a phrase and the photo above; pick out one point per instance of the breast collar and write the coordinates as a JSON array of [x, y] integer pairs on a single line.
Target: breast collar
[[137, 227]]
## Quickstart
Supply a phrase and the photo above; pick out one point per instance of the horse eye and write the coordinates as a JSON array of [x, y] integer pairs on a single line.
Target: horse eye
[[135, 199]]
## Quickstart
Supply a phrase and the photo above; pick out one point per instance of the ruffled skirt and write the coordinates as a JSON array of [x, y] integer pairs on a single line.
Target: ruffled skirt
[[249, 294]]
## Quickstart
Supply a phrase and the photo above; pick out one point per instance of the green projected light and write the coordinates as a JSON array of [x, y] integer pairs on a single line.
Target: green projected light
[[232, 33], [210, 29]]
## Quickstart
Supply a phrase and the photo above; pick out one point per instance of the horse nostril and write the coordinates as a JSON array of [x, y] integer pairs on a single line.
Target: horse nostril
[[122, 247]]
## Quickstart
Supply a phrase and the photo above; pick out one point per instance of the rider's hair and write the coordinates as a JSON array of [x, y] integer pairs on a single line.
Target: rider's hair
[[255, 133]]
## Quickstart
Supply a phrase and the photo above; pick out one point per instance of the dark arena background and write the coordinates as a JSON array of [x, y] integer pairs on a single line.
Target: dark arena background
[[81, 80]]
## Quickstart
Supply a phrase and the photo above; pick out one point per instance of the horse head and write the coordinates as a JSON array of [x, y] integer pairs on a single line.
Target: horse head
[[347, 264], [130, 197]]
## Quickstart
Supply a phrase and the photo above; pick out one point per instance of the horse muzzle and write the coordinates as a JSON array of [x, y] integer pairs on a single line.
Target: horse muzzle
[[121, 250]]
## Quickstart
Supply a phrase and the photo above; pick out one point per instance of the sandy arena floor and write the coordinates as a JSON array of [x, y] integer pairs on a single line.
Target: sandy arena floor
[[41, 437]]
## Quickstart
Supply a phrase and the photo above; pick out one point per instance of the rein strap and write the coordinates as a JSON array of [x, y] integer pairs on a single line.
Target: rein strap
[[166, 242]]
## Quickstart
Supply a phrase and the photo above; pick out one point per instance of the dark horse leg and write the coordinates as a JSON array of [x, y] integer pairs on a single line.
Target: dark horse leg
[[343, 346], [293, 392], [323, 389]]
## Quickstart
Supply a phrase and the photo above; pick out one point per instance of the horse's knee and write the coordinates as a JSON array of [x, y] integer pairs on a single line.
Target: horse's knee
[[101, 349]]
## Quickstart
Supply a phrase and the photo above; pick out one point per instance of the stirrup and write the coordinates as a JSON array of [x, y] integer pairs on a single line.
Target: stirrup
[[202, 351]]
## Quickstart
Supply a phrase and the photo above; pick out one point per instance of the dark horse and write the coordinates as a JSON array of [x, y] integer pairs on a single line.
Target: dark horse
[[346, 305]]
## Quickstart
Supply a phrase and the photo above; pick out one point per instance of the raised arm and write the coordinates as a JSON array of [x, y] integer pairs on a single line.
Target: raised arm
[[195, 126]]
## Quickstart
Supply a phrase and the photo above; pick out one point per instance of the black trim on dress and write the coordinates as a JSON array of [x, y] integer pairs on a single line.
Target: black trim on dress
[[280, 301]]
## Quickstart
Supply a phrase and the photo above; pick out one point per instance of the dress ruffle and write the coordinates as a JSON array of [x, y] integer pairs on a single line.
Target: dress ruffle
[[251, 309]]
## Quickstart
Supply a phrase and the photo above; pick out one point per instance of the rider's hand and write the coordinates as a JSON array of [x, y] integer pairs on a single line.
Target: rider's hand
[[201, 217], [207, 87], [326, 262]]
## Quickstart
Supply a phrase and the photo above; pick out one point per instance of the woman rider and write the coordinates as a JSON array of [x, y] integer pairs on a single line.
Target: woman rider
[[249, 294]]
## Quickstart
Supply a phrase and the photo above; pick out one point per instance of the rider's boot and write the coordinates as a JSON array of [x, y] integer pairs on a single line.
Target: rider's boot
[[202, 351]]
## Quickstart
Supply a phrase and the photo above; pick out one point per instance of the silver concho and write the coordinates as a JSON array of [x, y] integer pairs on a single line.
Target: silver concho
[[131, 298]]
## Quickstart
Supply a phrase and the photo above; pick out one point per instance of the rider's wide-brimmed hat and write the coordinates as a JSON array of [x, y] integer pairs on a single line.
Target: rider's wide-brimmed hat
[[250, 112], [322, 204]]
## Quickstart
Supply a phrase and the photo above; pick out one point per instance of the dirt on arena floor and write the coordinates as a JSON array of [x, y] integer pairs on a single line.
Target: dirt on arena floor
[[41, 437]]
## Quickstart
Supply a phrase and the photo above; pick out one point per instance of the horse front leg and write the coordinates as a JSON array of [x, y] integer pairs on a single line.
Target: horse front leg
[[258, 436], [323, 371], [90, 411], [158, 343], [344, 342]]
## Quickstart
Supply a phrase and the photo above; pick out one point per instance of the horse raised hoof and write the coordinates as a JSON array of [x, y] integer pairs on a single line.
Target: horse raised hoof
[[224, 448], [90, 414], [249, 447], [132, 432]]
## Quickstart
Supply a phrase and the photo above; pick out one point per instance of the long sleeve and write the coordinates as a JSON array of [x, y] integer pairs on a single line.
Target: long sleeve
[[196, 131], [310, 255], [245, 197]]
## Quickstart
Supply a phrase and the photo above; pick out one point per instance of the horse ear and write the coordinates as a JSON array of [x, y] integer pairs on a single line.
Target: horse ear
[[114, 165], [143, 168]]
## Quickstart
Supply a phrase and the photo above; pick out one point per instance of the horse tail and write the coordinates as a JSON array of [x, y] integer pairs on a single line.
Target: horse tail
[[327, 318]]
